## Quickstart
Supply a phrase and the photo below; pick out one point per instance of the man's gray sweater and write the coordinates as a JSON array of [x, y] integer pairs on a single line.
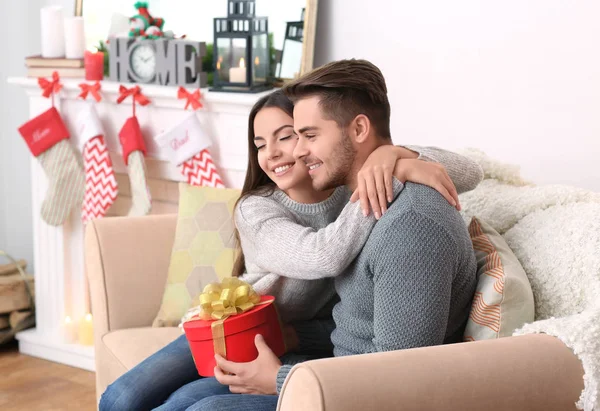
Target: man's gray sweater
[[292, 250], [413, 282]]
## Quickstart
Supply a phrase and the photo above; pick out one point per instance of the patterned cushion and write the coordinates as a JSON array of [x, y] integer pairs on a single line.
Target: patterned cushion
[[203, 251], [503, 299]]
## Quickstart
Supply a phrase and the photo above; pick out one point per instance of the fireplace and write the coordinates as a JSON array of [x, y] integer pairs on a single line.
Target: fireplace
[[60, 283]]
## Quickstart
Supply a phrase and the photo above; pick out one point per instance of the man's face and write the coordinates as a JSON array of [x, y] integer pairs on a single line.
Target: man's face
[[322, 145]]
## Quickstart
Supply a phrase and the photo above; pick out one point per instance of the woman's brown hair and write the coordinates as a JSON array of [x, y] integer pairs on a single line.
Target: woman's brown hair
[[257, 182]]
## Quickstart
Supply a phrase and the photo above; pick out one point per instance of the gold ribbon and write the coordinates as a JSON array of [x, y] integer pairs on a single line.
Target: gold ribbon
[[233, 296], [221, 301]]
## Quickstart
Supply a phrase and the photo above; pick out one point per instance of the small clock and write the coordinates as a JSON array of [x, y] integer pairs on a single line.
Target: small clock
[[142, 61], [166, 62]]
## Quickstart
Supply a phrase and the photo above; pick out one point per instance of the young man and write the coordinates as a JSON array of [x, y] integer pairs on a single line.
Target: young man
[[413, 283]]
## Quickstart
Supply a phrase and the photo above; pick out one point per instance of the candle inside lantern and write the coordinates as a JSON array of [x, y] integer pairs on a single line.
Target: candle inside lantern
[[86, 331], [69, 332], [94, 65], [238, 74]]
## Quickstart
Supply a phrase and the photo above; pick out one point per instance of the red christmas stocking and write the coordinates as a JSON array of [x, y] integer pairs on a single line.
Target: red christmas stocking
[[187, 146], [47, 138], [134, 150], [100, 183]]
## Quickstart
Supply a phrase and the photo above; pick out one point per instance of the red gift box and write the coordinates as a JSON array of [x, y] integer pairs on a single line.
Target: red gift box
[[238, 334]]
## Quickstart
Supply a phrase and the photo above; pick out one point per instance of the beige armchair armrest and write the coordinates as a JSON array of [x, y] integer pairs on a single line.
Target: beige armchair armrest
[[532, 372], [126, 260]]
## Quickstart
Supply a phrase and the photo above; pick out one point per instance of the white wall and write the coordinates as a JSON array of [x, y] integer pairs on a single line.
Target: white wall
[[19, 40], [518, 79]]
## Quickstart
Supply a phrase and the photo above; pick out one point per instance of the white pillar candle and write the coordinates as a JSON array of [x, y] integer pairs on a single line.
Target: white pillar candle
[[53, 32], [74, 38], [69, 332]]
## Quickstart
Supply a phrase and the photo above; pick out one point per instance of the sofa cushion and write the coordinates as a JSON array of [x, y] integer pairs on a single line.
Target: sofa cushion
[[132, 346], [203, 251], [503, 299]]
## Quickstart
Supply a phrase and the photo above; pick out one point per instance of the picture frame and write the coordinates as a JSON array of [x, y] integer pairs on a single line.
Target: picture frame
[[310, 33], [78, 8]]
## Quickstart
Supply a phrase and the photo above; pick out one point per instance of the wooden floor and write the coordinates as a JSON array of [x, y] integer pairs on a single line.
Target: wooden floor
[[32, 384]]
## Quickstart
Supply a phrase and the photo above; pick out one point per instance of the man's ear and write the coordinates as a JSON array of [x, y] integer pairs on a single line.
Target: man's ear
[[361, 127]]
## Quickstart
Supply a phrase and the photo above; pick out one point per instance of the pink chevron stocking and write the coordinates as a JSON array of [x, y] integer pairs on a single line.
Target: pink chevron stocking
[[100, 183], [187, 147], [200, 170]]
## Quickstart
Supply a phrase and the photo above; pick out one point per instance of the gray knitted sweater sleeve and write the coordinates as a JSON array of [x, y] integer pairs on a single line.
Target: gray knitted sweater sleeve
[[412, 265], [281, 245], [465, 173], [282, 374]]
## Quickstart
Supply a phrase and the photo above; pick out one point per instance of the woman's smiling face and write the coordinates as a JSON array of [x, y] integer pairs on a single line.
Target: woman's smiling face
[[275, 142]]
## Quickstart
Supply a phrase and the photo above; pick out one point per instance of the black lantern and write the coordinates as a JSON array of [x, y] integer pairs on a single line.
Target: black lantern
[[241, 49]]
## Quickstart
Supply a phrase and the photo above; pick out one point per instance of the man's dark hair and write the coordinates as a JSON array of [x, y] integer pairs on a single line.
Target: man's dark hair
[[347, 88]]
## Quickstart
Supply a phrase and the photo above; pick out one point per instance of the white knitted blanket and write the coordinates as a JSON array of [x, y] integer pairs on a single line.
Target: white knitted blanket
[[554, 231]]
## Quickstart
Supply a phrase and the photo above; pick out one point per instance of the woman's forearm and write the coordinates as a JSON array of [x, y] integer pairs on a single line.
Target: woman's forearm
[[464, 172], [280, 245]]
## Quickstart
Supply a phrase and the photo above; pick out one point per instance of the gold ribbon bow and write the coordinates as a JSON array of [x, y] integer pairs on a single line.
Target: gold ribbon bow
[[231, 297], [220, 301]]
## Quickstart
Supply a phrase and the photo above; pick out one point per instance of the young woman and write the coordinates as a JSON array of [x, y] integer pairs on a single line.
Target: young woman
[[283, 223]]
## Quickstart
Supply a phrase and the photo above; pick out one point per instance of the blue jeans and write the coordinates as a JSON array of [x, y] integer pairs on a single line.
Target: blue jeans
[[207, 394], [150, 383], [168, 380]]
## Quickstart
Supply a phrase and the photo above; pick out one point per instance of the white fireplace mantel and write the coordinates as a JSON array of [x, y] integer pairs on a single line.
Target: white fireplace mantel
[[60, 284]]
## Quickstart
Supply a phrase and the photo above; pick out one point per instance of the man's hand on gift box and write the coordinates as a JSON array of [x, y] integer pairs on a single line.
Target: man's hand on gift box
[[254, 377]]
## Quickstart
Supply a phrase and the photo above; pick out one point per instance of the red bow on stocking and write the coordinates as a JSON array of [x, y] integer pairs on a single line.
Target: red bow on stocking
[[49, 88], [136, 93], [93, 89], [192, 99]]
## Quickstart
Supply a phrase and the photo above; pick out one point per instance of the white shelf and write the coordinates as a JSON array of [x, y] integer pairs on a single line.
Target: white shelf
[[37, 345]]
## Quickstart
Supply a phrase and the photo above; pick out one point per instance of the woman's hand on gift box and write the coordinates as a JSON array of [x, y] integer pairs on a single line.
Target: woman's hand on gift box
[[254, 377]]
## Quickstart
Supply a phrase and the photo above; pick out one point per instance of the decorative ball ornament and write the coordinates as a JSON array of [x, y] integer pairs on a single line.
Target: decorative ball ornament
[[154, 31], [137, 23]]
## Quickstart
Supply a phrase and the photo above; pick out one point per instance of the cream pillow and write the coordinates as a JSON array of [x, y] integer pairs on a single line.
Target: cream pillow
[[503, 300], [203, 251]]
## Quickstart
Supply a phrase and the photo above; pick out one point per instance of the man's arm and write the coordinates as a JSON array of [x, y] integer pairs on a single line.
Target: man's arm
[[412, 269]]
